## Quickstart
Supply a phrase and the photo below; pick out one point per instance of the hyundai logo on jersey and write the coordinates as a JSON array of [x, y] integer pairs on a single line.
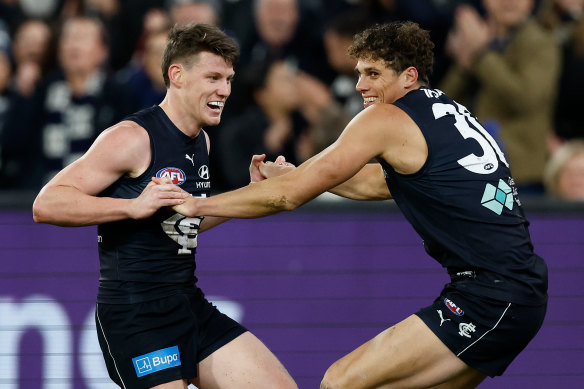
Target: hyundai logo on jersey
[[176, 175], [456, 310], [156, 361]]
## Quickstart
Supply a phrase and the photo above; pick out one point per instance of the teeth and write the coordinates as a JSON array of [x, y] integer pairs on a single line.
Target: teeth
[[369, 99], [217, 104]]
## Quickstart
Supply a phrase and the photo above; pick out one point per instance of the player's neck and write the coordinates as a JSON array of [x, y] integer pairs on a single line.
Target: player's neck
[[179, 117]]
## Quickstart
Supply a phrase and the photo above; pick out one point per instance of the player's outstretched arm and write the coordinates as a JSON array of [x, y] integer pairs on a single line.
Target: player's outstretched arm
[[368, 184], [70, 198], [363, 139]]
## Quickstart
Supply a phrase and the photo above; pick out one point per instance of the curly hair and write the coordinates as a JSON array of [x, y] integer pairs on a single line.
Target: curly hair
[[399, 44], [184, 42]]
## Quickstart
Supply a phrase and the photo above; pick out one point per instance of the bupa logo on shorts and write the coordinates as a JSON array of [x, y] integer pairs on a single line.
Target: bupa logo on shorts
[[176, 175], [453, 308], [156, 361]]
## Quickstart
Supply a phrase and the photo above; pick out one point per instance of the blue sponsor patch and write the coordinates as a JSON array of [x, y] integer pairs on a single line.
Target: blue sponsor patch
[[176, 175], [156, 361]]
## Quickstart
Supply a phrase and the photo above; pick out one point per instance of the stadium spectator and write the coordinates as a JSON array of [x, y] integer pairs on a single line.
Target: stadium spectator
[[184, 12], [272, 124], [142, 76], [564, 172], [31, 47], [565, 19], [57, 125], [506, 68], [328, 108], [279, 34]]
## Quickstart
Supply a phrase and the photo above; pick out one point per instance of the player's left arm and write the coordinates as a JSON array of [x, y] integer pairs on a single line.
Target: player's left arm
[[368, 135]]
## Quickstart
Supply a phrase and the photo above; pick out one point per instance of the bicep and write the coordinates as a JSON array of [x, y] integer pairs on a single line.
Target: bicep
[[116, 152], [368, 184], [362, 140]]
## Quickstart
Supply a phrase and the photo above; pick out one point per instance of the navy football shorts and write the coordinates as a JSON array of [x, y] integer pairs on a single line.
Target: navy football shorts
[[485, 334], [154, 342]]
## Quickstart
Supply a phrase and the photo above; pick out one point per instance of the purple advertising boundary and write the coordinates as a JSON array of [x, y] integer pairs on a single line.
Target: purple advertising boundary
[[311, 284]]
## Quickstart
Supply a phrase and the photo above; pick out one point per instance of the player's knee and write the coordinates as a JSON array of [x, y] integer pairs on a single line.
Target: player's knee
[[333, 379]]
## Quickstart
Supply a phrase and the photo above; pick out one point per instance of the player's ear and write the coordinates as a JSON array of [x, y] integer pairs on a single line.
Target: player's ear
[[410, 76], [175, 74]]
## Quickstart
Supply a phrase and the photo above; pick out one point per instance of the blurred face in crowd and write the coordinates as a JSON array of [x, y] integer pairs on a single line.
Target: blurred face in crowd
[[155, 20], [81, 47], [31, 42], [280, 87], [152, 60], [276, 20], [205, 86], [186, 13], [4, 71], [572, 6], [571, 178], [509, 13], [336, 47]]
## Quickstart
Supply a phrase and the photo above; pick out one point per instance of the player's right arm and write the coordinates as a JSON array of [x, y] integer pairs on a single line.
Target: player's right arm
[[70, 198], [368, 184]]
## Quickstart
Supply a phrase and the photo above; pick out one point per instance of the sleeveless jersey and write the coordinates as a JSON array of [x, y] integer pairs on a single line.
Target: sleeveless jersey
[[464, 205], [140, 259]]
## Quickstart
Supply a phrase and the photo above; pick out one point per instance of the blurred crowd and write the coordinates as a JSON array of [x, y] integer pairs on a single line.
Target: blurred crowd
[[71, 68]]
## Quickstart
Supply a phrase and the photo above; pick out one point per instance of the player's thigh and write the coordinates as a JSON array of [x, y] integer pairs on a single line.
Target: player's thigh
[[467, 380], [407, 355], [245, 362]]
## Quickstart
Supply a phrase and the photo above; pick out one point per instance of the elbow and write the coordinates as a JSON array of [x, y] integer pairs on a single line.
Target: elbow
[[39, 213], [283, 203]]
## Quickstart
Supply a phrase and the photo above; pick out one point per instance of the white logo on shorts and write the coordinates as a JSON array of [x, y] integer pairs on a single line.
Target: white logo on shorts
[[143, 365], [442, 319], [465, 329]]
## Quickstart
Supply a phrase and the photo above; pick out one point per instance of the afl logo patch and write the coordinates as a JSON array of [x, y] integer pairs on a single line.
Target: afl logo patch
[[176, 175], [453, 308]]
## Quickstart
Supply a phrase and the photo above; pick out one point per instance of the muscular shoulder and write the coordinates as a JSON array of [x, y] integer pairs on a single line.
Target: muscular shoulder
[[128, 144], [382, 121], [397, 137]]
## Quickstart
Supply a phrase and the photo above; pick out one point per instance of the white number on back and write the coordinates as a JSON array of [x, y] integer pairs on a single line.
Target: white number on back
[[488, 162]]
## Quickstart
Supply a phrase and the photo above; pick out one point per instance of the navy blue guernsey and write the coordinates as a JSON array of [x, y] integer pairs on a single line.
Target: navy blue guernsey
[[464, 205], [143, 259]]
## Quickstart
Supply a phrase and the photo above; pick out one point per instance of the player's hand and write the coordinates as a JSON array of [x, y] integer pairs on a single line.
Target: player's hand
[[157, 194], [254, 168], [188, 208], [276, 168]]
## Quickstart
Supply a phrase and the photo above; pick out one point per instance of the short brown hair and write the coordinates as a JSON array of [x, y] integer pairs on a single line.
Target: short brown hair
[[399, 44], [184, 42]]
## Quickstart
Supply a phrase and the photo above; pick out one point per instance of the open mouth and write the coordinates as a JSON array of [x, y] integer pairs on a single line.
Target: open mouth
[[369, 101], [216, 105]]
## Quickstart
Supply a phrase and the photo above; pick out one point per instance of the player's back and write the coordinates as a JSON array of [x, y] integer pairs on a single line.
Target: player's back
[[463, 201]]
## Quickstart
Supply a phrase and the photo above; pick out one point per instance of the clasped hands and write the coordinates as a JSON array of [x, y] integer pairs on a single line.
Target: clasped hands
[[259, 170]]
